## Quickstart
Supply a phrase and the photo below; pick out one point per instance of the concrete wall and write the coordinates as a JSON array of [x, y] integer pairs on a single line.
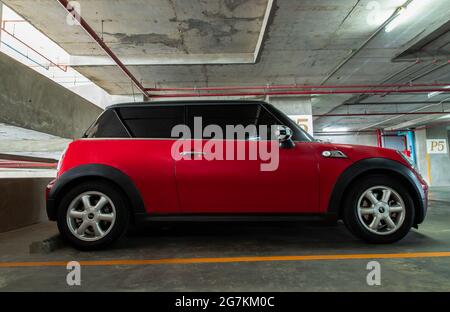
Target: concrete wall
[[22, 202], [32, 101], [292, 105], [361, 139]]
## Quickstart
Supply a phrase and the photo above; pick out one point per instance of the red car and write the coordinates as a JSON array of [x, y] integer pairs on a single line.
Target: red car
[[134, 165]]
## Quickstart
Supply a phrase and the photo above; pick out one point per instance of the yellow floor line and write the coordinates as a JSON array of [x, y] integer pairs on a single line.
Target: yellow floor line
[[229, 259]]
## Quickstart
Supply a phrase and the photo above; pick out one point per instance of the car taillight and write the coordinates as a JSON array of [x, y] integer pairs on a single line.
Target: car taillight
[[61, 158]]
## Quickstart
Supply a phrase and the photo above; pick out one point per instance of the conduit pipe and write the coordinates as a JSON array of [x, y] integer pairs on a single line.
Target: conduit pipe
[[307, 92], [25, 56], [62, 67], [296, 86], [381, 114]]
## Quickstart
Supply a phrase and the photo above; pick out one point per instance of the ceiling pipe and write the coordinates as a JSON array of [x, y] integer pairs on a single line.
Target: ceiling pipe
[[392, 103], [71, 10], [307, 92], [381, 114], [296, 86], [396, 117], [357, 131]]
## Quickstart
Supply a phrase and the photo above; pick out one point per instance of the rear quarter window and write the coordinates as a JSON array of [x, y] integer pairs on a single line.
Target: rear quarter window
[[108, 125]]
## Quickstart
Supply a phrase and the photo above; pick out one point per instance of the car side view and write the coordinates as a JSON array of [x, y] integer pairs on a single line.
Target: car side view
[[130, 167]]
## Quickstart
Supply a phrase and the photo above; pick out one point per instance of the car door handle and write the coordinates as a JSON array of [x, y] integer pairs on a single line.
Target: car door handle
[[192, 154]]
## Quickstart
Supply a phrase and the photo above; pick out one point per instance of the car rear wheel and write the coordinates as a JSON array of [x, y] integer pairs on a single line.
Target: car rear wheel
[[379, 209], [92, 215]]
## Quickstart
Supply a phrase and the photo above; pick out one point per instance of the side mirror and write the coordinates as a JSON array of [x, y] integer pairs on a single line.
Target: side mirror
[[284, 136]]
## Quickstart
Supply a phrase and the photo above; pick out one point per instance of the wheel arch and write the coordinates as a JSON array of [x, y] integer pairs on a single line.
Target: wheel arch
[[89, 172], [384, 166]]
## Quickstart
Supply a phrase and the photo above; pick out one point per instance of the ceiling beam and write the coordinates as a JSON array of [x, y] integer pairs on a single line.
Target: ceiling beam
[[165, 59]]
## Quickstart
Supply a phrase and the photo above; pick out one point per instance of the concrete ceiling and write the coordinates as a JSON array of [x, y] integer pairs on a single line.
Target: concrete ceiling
[[179, 43]]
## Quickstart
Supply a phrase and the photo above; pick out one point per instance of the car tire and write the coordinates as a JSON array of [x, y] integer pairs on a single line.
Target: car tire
[[93, 215], [384, 218]]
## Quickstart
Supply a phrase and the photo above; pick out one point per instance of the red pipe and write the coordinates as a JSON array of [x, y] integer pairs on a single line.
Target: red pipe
[[11, 21], [103, 45], [357, 131], [381, 114], [276, 87], [62, 67], [379, 138], [375, 91], [26, 164]]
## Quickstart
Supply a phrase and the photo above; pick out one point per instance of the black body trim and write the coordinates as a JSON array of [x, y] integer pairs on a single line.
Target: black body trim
[[144, 217], [372, 165], [85, 172]]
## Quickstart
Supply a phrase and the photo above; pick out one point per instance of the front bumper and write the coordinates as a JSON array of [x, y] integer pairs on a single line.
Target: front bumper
[[421, 217]]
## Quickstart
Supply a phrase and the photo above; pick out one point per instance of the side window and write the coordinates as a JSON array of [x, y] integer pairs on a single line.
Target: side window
[[232, 115], [152, 122], [107, 125]]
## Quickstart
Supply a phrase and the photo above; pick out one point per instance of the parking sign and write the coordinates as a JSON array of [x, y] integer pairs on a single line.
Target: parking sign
[[437, 146]]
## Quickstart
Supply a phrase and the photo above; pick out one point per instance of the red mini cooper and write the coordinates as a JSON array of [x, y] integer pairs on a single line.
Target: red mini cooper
[[138, 163]]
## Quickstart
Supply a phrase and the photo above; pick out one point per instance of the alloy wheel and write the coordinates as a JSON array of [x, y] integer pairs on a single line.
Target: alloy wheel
[[91, 216], [381, 210]]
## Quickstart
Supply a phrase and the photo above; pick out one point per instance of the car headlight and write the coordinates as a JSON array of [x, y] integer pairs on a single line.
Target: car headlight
[[408, 160]]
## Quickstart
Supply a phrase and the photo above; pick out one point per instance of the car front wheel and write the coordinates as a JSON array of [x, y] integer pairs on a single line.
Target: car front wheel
[[93, 215], [379, 209]]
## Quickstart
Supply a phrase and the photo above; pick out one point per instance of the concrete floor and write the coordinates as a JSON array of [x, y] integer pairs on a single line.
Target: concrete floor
[[238, 240]]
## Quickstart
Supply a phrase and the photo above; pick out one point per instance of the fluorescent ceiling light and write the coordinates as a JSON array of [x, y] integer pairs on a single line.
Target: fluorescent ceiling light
[[445, 117], [335, 129], [406, 13], [432, 94]]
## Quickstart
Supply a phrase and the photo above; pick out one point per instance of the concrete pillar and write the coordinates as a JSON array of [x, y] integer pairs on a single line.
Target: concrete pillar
[[298, 108], [1, 18], [421, 153], [439, 163]]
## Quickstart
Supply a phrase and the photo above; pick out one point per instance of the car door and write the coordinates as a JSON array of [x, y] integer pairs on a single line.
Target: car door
[[232, 185], [147, 158]]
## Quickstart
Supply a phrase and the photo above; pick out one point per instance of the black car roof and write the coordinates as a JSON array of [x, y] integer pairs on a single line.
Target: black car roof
[[173, 103]]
